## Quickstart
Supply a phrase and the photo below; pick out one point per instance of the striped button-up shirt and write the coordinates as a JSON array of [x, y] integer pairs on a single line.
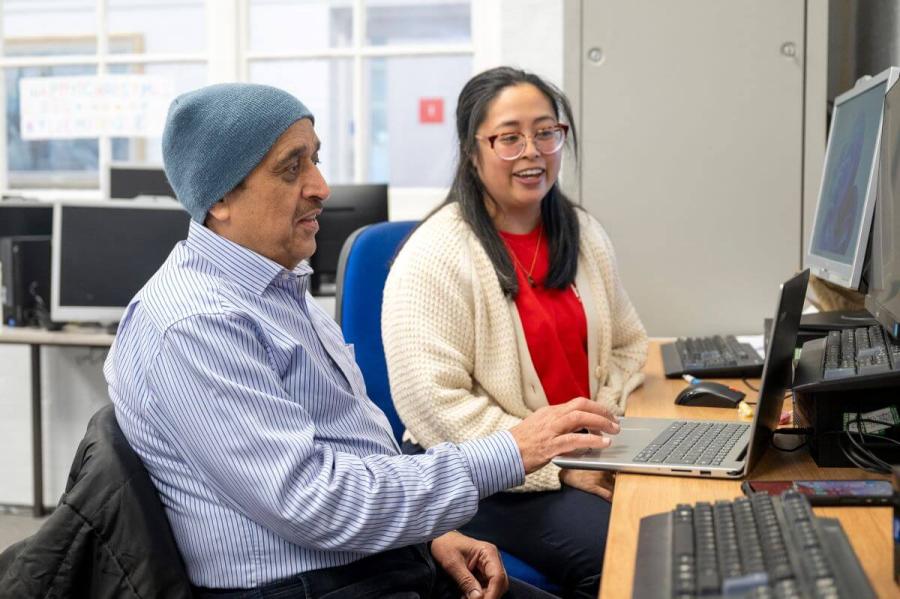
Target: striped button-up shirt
[[249, 412]]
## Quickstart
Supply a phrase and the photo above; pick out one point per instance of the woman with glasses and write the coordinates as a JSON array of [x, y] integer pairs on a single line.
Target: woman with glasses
[[507, 299]]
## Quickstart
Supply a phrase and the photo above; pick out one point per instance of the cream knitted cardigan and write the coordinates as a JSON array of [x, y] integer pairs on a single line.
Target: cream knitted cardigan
[[457, 359]]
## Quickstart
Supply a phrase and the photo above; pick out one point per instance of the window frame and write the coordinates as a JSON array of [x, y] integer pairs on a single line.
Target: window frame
[[101, 60], [358, 52], [228, 58]]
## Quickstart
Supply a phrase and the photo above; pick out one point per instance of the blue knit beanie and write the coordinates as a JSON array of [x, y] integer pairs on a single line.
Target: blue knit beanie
[[216, 135]]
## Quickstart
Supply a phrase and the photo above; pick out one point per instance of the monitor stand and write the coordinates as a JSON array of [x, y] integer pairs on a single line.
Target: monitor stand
[[837, 319]]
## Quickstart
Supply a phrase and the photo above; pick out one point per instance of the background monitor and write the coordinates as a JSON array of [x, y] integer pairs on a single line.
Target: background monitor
[[128, 181], [347, 209], [25, 218], [840, 232], [104, 252], [883, 296]]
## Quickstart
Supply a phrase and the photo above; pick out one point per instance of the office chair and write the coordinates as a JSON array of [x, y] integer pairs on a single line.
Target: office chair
[[108, 537], [362, 270]]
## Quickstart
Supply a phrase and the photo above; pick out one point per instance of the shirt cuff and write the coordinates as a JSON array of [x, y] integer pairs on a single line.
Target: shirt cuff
[[495, 463]]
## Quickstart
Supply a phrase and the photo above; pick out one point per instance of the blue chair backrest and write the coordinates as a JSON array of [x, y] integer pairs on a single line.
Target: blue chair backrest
[[362, 270]]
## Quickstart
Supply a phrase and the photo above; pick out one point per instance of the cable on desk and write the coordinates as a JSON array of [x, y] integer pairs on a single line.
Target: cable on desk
[[857, 452], [749, 386], [873, 435], [791, 431]]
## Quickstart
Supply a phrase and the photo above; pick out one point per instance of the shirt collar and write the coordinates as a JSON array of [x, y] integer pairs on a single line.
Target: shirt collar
[[239, 264]]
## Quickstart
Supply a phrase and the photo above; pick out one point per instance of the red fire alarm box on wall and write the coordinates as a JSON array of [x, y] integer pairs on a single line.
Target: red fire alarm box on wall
[[431, 110]]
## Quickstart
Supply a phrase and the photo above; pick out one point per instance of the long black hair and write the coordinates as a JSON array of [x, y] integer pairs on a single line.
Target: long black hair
[[558, 214]]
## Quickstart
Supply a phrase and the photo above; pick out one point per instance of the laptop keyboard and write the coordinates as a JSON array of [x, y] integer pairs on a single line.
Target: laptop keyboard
[[698, 443]]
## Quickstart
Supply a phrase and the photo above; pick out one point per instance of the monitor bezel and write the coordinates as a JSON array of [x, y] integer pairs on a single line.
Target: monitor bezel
[[76, 313], [349, 197], [849, 275], [879, 311], [14, 204], [135, 166]]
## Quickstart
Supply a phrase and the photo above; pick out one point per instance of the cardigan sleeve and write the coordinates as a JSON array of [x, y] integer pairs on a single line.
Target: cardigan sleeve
[[428, 330], [628, 336]]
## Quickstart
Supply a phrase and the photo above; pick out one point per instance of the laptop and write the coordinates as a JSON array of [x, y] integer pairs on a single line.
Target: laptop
[[709, 448]]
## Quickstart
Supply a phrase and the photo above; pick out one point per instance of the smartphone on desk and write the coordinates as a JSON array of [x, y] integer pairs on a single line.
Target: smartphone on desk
[[828, 492]]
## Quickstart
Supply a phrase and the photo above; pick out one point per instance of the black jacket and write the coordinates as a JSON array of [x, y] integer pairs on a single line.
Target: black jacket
[[109, 536]]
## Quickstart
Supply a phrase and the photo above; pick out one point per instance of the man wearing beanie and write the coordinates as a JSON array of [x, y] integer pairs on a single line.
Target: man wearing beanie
[[276, 471]]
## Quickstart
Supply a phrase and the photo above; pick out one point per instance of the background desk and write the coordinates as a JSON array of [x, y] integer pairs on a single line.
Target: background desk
[[35, 338], [639, 495]]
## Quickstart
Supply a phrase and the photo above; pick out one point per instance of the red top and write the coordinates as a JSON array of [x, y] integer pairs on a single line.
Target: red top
[[553, 320]]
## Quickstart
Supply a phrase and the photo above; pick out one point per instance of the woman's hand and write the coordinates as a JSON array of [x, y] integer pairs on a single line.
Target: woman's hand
[[598, 482]]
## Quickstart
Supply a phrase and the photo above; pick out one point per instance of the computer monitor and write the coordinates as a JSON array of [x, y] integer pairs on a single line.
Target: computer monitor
[[103, 252], [883, 296], [128, 181], [19, 217], [840, 232], [347, 209]]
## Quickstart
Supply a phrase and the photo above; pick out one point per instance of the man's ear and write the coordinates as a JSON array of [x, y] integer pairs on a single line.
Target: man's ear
[[220, 211]]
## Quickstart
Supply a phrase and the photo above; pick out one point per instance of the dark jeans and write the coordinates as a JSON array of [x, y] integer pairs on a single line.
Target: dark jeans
[[560, 533], [407, 573]]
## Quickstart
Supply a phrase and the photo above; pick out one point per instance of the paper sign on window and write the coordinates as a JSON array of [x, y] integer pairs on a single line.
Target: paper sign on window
[[94, 106]]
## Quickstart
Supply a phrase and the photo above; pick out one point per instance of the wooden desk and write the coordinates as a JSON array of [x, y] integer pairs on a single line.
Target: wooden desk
[[35, 338], [639, 495]]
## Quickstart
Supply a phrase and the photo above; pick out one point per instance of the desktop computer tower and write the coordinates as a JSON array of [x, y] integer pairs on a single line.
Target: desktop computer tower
[[850, 418], [832, 416], [24, 274]]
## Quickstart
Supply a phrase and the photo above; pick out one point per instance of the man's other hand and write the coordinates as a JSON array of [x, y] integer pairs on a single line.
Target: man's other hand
[[474, 565], [554, 430]]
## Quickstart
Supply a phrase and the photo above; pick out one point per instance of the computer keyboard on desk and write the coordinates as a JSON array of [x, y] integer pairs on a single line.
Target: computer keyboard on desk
[[753, 547], [716, 356], [859, 352]]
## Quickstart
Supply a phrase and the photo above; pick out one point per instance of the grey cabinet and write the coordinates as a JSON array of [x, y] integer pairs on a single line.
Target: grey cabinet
[[693, 121]]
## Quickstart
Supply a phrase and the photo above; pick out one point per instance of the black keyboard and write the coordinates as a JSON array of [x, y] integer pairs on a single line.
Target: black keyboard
[[859, 352], [756, 547], [717, 356], [693, 443]]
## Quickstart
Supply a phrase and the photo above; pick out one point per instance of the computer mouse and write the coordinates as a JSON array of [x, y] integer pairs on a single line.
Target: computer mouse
[[707, 394]]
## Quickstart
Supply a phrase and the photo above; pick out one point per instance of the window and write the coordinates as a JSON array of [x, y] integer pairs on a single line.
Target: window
[[381, 76], [45, 38]]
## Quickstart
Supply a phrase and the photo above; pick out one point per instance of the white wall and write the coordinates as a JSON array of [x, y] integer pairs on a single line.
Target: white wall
[[15, 428]]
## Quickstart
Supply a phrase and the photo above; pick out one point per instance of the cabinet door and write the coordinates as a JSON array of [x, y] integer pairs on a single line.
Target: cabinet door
[[692, 130]]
